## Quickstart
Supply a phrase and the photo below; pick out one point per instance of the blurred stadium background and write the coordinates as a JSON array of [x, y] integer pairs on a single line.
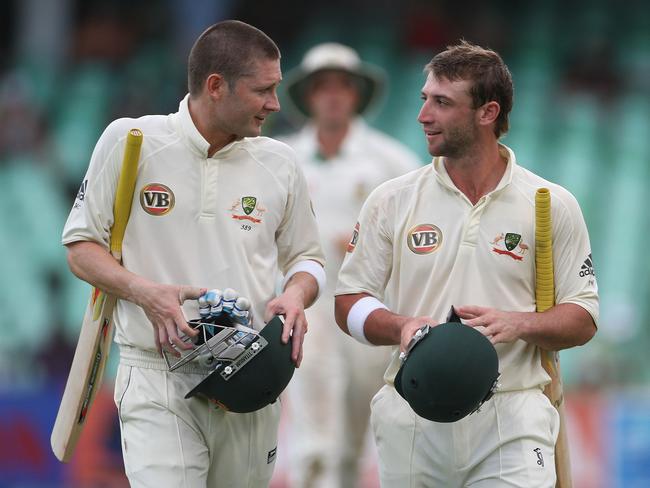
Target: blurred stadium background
[[581, 118]]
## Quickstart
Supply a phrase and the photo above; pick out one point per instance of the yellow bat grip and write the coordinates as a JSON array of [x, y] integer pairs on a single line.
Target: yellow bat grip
[[125, 190], [545, 289], [545, 296]]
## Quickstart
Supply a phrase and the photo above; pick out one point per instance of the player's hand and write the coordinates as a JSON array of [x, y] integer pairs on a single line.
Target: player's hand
[[162, 306], [409, 329], [291, 305], [496, 325]]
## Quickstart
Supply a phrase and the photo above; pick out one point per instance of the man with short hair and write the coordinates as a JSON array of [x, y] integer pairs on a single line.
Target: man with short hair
[[460, 232], [343, 159], [216, 206]]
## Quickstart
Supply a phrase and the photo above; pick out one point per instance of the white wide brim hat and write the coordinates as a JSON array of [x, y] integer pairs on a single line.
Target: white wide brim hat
[[331, 56]]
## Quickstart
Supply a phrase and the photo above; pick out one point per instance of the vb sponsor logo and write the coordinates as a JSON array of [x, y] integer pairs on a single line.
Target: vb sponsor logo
[[355, 237], [157, 199], [424, 238]]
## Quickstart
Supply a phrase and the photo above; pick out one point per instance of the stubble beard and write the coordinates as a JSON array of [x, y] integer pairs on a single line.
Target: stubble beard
[[457, 143]]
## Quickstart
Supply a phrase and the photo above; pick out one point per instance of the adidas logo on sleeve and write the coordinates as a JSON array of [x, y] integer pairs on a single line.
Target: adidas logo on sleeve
[[587, 268]]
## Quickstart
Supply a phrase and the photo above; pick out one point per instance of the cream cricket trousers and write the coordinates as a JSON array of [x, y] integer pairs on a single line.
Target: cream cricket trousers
[[171, 442], [510, 442], [329, 399]]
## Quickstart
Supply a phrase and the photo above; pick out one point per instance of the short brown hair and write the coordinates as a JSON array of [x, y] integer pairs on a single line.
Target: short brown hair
[[228, 48], [490, 77]]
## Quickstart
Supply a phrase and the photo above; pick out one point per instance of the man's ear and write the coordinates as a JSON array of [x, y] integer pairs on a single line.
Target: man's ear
[[488, 113], [216, 86]]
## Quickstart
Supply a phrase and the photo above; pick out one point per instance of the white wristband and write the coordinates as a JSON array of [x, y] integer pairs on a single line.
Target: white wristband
[[357, 317], [311, 267]]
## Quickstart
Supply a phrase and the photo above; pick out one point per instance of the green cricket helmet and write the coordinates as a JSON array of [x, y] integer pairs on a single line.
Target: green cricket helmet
[[449, 371], [254, 376]]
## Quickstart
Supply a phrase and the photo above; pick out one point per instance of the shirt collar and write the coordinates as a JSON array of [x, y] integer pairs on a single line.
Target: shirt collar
[[189, 132], [354, 136], [187, 129], [511, 163], [443, 177]]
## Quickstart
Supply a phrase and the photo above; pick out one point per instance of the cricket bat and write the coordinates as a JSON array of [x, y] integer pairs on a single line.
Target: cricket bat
[[96, 334], [545, 296]]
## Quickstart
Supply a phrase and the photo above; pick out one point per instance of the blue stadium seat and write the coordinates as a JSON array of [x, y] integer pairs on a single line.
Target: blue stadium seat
[[83, 112]]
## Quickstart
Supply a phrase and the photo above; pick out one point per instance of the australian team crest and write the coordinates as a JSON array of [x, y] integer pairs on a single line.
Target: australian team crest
[[248, 204], [514, 246], [511, 240], [247, 208]]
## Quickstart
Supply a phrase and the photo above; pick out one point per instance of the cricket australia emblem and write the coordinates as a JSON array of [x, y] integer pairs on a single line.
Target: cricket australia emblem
[[505, 244], [247, 208], [248, 204]]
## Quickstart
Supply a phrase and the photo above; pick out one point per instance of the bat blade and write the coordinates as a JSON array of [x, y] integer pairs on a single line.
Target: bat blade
[[545, 296], [96, 333], [88, 363]]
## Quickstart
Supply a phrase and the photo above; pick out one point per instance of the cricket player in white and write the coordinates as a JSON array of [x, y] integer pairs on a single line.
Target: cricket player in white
[[460, 232], [343, 159], [215, 206]]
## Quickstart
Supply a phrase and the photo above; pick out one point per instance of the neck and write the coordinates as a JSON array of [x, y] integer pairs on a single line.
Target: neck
[[330, 138], [202, 118], [478, 172]]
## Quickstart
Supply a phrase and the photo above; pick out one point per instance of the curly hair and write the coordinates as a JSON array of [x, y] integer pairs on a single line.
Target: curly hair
[[490, 77]]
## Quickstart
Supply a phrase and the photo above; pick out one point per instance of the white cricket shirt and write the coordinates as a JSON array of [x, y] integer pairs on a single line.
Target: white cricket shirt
[[339, 185], [421, 247], [230, 220]]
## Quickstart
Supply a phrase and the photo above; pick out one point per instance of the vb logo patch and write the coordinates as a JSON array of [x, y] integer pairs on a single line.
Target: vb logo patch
[[157, 199], [355, 237], [505, 244], [424, 238], [247, 208]]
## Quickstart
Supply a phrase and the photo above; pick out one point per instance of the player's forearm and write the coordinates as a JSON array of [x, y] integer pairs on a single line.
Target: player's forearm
[[92, 263], [560, 327], [304, 286], [381, 327], [384, 328]]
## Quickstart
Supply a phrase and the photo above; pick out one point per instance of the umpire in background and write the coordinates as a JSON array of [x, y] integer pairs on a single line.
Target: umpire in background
[[343, 159]]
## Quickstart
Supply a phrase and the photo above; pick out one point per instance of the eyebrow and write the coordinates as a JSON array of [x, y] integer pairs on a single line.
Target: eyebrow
[[265, 86], [437, 96], [253, 74]]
